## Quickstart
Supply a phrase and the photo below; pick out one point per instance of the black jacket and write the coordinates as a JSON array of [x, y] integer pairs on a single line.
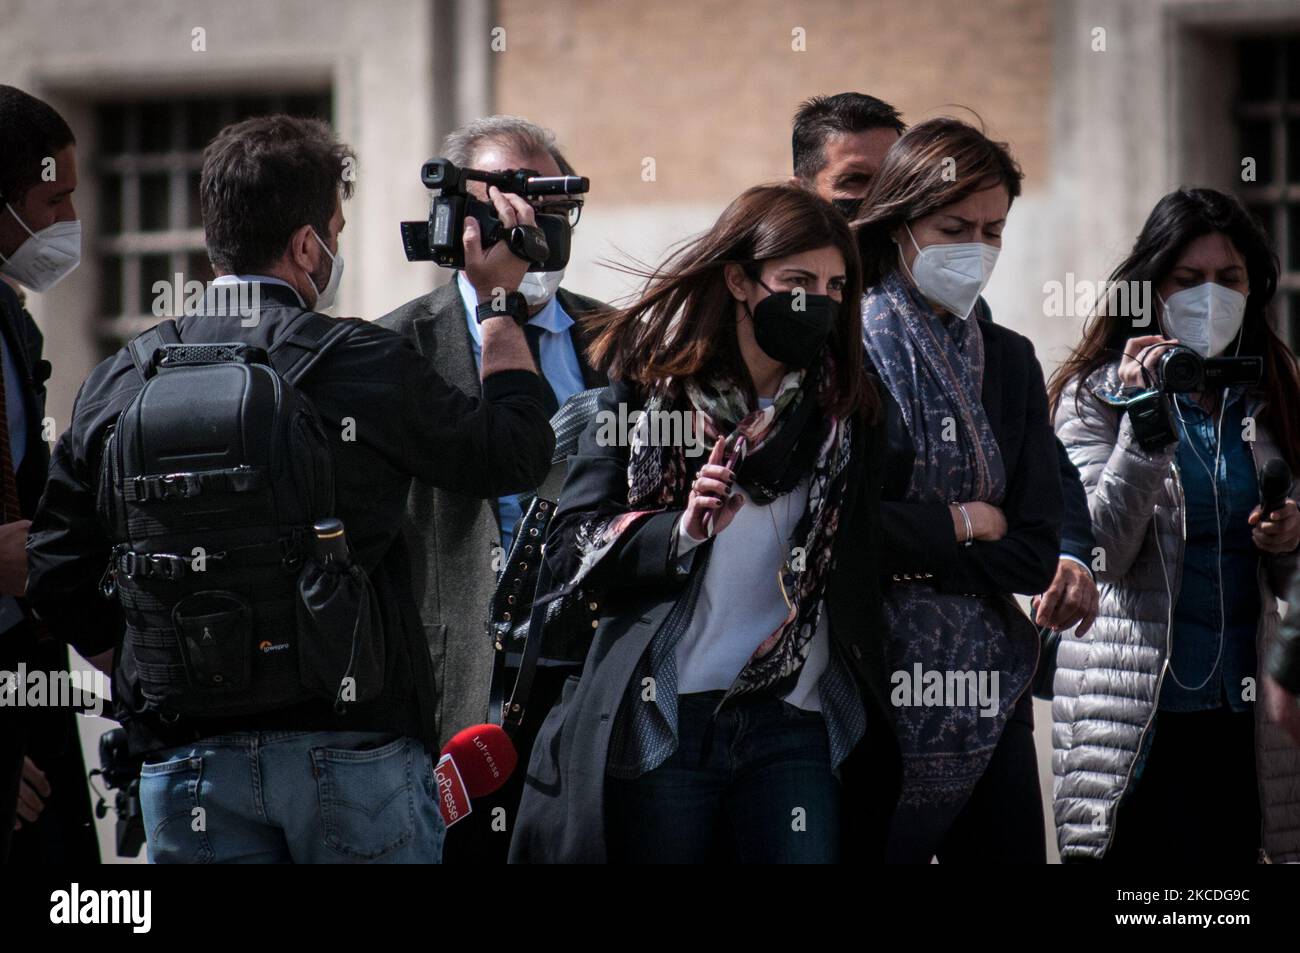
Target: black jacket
[[23, 730], [409, 423], [561, 816], [920, 537], [1076, 525], [452, 535]]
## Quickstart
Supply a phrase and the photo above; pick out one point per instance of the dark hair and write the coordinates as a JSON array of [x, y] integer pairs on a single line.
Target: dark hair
[[1178, 219], [821, 117], [30, 132], [265, 178], [682, 324], [934, 164]]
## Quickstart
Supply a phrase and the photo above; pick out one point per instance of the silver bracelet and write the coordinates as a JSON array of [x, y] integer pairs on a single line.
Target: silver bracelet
[[965, 517]]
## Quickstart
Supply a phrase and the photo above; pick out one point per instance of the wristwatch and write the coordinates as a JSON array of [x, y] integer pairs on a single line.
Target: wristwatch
[[516, 306]]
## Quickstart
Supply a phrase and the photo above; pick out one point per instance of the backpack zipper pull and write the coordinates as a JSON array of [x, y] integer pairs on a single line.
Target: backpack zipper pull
[[108, 581]]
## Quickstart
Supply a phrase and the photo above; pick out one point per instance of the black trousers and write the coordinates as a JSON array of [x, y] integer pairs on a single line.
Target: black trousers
[[1198, 796], [1000, 823], [484, 836]]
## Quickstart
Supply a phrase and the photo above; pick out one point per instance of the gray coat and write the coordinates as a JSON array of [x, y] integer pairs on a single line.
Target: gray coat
[[453, 538], [1108, 682]]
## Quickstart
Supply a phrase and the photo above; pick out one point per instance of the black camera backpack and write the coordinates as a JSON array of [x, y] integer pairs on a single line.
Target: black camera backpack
[[211, 481]]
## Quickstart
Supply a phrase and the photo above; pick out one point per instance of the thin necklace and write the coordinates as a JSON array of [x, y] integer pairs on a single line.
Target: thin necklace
[[785, 572]]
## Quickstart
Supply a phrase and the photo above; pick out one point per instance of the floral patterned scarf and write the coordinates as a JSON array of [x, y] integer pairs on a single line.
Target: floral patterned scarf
[[786, 441], [934, 368]]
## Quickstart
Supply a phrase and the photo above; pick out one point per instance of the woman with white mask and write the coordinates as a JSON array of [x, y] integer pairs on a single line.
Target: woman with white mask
[[971, 501], [1162, 747]]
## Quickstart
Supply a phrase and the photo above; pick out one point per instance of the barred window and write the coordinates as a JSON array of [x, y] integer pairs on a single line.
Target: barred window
[[1268, 131], [148, 163]]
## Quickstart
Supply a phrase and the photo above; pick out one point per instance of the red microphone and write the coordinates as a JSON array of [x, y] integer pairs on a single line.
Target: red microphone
[[476, 762]]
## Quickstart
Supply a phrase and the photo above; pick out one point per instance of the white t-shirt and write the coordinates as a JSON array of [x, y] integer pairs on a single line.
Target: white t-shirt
[[740, 601]]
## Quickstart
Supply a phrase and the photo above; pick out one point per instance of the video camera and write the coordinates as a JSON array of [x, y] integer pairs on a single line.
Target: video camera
[[546, 248], [1183, 371], [121, 773]]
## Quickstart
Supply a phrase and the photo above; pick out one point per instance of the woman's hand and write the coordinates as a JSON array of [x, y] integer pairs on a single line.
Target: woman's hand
[[1130, 371], [1280, 533], [987, 522], [711, 493]]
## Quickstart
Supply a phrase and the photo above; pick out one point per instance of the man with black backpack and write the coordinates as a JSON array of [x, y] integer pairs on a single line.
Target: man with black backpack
[[224, 513]]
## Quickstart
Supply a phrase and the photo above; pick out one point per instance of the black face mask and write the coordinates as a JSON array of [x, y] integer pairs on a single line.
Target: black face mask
[[790, 335], [849, 208]]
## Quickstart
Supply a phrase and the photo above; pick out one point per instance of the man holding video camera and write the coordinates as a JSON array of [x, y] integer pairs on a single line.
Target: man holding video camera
[[316, 781], [458, 542]]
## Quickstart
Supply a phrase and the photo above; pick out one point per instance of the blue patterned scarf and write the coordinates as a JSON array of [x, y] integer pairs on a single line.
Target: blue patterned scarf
[[934, 368]]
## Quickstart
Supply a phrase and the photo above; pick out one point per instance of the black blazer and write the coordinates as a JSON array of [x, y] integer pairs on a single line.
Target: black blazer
[[920, 537], [561, 816], [1077, 539], [17, 730]]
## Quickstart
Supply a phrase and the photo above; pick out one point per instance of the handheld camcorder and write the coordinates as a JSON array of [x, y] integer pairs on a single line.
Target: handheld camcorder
[[1183, 371], [120, 771], [545, 247]]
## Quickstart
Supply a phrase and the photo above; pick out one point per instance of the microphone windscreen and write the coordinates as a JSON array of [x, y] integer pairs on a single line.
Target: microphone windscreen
[[1274, 484], [485, 757]]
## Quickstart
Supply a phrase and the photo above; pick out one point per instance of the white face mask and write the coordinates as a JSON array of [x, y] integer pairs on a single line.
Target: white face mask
[[1205, 318], [952, 275], [47, 257], [325, 296], [539, 287]]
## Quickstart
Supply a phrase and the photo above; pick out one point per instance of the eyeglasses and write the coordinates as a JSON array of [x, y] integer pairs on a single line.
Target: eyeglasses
[[569, 208]]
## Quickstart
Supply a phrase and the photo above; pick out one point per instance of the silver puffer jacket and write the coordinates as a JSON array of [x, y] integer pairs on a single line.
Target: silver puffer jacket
[[1107, 682]]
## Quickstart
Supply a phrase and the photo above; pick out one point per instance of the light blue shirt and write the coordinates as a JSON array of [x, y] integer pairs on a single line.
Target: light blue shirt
[[560, 367]]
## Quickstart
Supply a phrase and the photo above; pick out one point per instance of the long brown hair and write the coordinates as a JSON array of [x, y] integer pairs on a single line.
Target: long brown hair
[[932, 165], [683, 323], [1178, 219]]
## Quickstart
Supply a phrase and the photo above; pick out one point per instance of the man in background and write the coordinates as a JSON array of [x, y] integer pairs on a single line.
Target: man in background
[[44, 800]]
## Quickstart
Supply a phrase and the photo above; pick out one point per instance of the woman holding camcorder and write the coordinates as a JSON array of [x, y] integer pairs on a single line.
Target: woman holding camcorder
[[1186, 435]]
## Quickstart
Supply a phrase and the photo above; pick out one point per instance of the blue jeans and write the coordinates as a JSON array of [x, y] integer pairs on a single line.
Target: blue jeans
[[292, 797], [753, 786]]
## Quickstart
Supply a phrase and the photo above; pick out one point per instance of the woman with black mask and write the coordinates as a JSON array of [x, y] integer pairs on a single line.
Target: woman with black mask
[[971, 499], [733, 700]]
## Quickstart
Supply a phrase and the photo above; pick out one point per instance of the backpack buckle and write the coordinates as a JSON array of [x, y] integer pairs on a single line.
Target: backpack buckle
[[151, 565], [181, 485], [166, 565]]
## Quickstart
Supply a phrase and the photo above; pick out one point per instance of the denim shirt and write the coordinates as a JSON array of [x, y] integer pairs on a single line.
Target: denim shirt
[[1220, 584]]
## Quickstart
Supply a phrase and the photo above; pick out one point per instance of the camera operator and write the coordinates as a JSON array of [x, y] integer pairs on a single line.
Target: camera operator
[[1192, 566], [454, 537], [839, 143], [42, 774], [313, 781]]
